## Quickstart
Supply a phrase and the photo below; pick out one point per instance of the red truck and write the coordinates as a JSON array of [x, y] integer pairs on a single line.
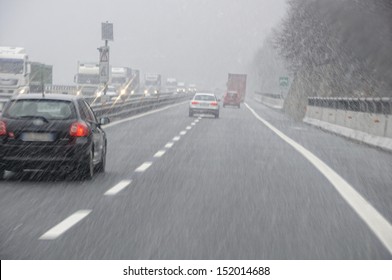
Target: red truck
[[236, 90]]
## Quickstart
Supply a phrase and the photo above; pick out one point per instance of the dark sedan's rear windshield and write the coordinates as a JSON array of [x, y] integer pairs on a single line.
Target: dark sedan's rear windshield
[[49, 109]]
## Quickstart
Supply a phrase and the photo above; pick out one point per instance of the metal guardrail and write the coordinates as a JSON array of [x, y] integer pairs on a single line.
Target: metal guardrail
[[382, 105], [120, 108], [66, 89]]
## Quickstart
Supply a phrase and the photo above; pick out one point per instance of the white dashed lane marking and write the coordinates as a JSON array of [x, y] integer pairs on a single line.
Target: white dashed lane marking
[[183, 132], [65, 225], [119, 187], [169, 145], [188, 127], [176, 138], [159, 153], [143, 167]]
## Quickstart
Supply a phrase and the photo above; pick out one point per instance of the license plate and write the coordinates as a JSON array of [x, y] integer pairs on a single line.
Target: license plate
[[204, 104], [37, 137]]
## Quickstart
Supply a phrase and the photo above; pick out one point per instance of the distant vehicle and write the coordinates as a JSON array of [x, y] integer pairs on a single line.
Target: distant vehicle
[[237, 83], [171, 85], [120, 78], [231, 98], [18, 75], [57, 133], [181, 88], [87, 79], [112, 93], [152, 84], [204, 103], [192, 88]]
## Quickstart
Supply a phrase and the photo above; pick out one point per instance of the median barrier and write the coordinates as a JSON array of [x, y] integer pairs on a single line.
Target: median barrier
[[368, 120], [270, 99]]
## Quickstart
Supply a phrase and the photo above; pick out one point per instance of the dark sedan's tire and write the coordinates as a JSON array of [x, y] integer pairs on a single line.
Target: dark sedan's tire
[[2, 171], [217, 115], [87, 167], [102, 164]]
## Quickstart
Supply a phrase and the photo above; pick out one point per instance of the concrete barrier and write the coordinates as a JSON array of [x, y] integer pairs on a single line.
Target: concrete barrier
[[269, 99], [368, 120]]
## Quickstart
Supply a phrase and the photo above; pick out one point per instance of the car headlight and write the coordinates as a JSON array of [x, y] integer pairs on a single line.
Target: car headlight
[[123, 91], [145, 91], [22, 90]]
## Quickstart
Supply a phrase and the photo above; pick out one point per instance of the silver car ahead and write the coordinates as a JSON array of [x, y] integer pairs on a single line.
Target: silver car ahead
[[204, 103]]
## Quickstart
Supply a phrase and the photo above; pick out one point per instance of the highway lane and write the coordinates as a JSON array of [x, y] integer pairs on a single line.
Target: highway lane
[[227, 189]]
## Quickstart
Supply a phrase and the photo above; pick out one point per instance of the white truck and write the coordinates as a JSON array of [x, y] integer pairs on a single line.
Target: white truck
[[18, 75], [87, 79], [181, 88], [171, 85], [122, 78], [14, 71], [152, 84]]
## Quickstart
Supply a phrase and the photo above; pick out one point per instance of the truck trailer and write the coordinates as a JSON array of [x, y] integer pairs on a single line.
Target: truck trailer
[[237, 83]]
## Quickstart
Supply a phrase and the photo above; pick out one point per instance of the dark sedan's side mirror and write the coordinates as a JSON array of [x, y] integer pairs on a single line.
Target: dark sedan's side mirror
[[104, 120]]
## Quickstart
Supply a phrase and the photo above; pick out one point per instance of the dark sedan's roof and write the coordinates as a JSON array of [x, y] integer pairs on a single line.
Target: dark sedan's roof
[[48, 96]]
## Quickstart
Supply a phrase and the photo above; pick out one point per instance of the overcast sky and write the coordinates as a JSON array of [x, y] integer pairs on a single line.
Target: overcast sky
[[196, 41]]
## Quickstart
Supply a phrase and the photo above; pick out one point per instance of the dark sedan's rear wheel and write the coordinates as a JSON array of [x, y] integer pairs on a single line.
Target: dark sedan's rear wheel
[[2, 171], [102, 164], [88, 167]]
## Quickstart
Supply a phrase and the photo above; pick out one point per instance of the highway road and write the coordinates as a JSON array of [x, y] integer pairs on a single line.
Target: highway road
[[253, 184]]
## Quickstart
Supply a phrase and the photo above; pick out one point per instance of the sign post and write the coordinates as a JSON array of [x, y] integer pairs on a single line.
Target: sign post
[[104, 69]]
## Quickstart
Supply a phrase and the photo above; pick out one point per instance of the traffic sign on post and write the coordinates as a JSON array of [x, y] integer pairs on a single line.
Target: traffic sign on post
[[107, 31], [103, 54], [283, 81]]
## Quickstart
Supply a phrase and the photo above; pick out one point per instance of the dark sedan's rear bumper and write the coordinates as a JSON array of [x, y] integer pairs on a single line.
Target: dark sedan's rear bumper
[[40, 157]]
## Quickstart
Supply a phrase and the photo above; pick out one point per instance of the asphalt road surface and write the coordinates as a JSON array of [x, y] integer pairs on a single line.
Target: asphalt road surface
[[203, 188]]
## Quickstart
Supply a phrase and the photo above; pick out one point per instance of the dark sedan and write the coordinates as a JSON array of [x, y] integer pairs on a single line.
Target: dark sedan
[[54, 133]]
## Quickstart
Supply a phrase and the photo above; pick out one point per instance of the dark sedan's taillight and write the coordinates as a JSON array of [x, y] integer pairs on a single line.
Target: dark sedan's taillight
[[3, 128], [79, 129]]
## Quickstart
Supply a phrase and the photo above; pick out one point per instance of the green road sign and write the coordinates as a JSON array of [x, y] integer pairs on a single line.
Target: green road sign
[[283, 81]]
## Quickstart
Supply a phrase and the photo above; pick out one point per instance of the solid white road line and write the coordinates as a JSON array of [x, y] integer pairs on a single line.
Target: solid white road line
[[65, 225], [169, 145], [118, 188], [143, 167], [183, 132], [142, 115], [375, 221], [159, 153], [176, 138], [188, 127]]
